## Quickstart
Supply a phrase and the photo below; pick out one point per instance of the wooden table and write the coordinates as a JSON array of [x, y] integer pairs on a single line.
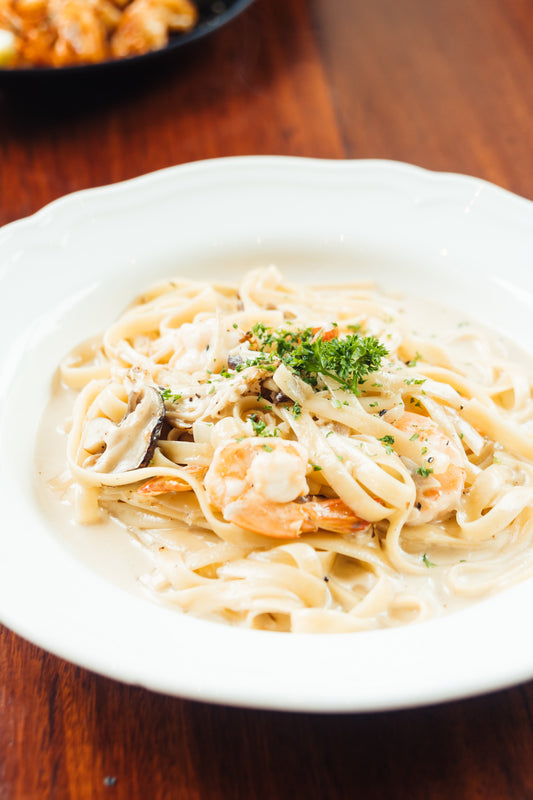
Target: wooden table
[[446, 84]]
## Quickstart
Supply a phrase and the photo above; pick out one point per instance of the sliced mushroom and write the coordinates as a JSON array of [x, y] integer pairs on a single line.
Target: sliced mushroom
[[235, 360], [275, 397], [129, 444]]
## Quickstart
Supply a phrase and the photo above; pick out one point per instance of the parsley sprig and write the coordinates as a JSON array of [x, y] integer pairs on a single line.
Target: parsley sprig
[[347, 360]]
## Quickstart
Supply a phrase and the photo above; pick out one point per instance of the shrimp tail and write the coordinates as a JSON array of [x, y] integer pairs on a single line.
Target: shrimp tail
[[157, 486], [332, 515]]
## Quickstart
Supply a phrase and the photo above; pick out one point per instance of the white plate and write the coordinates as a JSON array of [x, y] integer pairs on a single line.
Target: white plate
[[71, 268]]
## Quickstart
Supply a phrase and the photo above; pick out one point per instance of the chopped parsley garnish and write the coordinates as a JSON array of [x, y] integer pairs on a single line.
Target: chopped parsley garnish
[[414, 361], [316, 468], [427, 562], [413, 437], [296, 409], [260, 428], [310, 354], [388, 441], [267, 448], [424, 471], [169, 396], [263, 333]]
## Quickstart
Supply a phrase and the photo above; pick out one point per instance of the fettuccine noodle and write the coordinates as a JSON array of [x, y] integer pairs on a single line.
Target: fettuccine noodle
[[296, 458]]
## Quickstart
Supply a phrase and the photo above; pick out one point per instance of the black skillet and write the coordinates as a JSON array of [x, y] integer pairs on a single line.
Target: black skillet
[[214, 14]]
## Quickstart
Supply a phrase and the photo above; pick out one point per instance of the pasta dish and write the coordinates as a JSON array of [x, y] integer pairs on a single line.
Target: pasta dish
[[303, 458]]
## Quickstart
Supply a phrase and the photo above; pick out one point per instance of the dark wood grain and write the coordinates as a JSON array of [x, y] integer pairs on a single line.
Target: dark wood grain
[[68, 733], [446, 84]]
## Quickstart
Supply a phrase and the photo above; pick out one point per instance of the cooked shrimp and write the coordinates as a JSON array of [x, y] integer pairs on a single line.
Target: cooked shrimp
[[157, 486], [59, 32], [440, 483], [63, 32], [256, 484], [332, 515], [146, 24], [81, 33]]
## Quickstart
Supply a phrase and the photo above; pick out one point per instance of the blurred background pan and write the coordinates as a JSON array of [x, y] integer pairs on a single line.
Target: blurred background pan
[[214, 14]]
